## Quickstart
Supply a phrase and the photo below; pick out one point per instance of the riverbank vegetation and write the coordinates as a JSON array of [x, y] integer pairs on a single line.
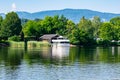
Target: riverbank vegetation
[[29, 44], [87, 32]]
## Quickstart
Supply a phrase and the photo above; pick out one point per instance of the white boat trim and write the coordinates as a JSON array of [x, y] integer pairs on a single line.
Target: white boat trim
[[61, 41]]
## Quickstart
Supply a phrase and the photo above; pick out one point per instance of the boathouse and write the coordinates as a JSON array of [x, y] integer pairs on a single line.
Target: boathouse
[[48, 37]]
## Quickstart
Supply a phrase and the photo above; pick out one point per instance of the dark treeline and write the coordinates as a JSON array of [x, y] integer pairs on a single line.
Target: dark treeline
[[86, 32]]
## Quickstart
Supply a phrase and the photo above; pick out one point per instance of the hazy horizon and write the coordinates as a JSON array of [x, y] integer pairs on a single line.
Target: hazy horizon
[[58, 10], [106, 6]]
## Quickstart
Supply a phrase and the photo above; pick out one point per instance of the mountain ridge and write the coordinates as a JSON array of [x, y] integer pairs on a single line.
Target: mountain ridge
[[72, 14]]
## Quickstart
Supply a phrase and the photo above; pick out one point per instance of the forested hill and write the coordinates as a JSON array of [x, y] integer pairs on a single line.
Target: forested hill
[[72, 14]]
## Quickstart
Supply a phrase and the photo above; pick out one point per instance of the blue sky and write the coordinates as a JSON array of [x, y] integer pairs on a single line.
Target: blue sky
[[112, 6]]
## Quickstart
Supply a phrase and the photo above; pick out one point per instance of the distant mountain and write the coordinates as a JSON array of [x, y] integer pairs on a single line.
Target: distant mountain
[[72, 14], [2, 14]]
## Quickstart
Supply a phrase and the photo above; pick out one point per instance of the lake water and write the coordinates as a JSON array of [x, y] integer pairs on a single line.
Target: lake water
[[60, 63]]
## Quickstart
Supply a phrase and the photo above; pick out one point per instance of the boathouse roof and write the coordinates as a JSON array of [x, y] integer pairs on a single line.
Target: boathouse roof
[[48, 36]]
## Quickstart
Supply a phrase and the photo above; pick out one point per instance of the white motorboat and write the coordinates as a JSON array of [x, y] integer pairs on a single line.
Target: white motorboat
[[60, 41]]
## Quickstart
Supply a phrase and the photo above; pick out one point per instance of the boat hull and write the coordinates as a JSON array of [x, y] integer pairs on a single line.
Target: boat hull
[[60, 44]]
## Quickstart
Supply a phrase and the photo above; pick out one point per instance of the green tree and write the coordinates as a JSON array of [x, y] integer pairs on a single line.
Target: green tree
[[40, 30], [107, 31], [33, 28], [86, 26], [11, 25], [29, 28], [117, 32], [79, 37], [96, 23], [56, 23], [70, 27], [62, 25], [1, 19], [115, 21], [48, 25]]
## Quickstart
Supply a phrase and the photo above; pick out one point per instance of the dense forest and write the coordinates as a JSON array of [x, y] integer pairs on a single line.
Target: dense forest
[[86, 32]]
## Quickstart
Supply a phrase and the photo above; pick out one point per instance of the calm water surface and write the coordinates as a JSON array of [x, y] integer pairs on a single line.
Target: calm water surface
[[60, 63]]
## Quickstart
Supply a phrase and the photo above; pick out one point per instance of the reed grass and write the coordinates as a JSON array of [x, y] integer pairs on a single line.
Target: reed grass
[[30, 44], [16, 44]]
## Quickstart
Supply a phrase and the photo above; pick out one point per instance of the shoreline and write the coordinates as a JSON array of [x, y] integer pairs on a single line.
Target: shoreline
[[39, 43]]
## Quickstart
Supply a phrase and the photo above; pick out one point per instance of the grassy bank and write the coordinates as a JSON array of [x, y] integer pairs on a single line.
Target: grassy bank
[[16, 44], [38, 44], [29, 44]]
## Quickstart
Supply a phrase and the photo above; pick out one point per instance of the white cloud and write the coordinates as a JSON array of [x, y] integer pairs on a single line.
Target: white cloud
[[13, 7]]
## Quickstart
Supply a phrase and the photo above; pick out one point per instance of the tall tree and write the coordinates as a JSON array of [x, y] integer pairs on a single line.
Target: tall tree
[[107, 31], [79, 37], [115, 21], [62, 25], [1, 19], [33, 28], [86, 26], [48, 24], [11, 25], [29, 28], [117, 32], [70, 27], [96, 23], [56, 23]]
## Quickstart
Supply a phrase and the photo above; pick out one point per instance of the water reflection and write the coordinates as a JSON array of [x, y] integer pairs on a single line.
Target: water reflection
[[11, 57], [56, 63], [59, 55], [95, 54], [60, 51]]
